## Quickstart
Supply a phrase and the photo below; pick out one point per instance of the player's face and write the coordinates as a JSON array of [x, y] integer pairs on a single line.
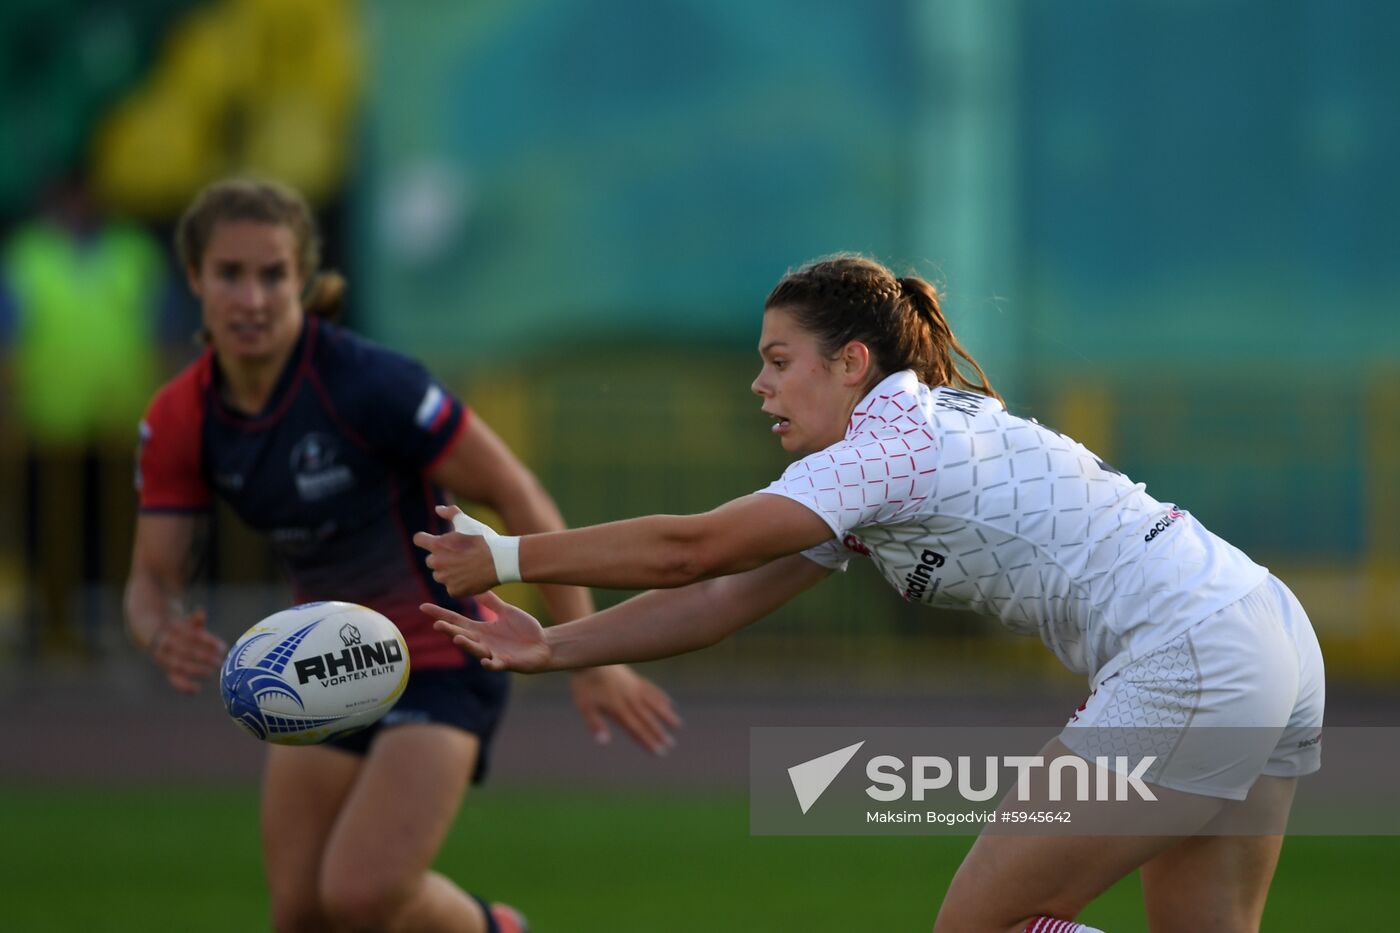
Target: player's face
[[801, 389], [250, 286]]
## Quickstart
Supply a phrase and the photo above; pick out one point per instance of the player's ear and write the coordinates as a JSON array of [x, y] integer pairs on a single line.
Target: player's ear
[[855, 363]]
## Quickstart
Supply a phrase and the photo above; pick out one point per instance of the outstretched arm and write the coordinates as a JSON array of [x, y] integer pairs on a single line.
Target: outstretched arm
[[652, 552], [481, 468], [656, 624]]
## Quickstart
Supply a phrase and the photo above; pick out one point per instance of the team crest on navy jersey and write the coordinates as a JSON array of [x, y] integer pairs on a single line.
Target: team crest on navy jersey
[[316, 470]]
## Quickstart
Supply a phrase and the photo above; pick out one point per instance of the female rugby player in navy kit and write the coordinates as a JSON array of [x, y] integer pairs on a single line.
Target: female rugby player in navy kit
[[338, 450], [910, 462]]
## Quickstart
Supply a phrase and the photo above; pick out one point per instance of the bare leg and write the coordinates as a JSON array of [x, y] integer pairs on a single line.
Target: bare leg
[[1007, 880], [376, 873], [1214, 882], [303, 789]]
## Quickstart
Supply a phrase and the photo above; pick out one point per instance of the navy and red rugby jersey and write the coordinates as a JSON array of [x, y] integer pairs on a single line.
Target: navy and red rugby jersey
[[334, 472]]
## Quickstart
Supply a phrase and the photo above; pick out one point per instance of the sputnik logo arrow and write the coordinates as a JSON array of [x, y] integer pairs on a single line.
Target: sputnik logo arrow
[[810, 779]]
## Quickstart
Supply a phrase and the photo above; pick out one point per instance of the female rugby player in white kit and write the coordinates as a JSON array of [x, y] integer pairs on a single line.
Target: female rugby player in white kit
[[959, 504]]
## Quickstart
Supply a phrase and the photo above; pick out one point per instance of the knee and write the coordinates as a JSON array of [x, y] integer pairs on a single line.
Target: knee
[[356, 902]]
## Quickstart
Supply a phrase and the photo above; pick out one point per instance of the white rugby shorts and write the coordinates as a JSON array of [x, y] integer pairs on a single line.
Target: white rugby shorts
[[1234, 697]]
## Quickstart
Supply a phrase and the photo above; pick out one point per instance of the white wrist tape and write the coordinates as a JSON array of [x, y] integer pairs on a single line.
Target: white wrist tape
[[505, 549], [505, 552]]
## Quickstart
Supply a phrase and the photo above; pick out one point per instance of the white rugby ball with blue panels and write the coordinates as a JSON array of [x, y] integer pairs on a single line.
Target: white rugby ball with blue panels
[[314, 671]]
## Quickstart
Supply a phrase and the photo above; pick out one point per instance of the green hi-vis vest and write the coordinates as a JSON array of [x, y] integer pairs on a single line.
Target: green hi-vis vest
[[84, 354]]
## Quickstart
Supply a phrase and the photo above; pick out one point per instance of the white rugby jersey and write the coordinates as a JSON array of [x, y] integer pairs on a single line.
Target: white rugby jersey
[[962, 505]]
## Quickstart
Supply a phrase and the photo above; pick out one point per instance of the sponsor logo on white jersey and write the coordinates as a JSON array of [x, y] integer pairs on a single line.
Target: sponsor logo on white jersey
[[1163, 523], [920, 581]]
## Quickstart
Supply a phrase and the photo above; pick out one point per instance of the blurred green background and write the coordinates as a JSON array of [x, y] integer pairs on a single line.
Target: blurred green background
[[1166, 228]]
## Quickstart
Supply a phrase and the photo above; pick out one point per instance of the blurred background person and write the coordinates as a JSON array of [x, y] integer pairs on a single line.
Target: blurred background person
[[337, 450], [83, 293]]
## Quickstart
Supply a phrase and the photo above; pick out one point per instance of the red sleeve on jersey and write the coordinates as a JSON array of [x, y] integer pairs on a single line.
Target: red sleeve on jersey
[[456, 436], [169, 474]]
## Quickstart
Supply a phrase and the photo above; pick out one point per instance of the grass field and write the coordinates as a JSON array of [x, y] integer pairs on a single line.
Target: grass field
[[187, 860]]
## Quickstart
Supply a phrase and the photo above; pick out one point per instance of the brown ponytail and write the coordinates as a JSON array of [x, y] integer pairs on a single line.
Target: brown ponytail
[[945, 369], [325, 295], [848, 297]]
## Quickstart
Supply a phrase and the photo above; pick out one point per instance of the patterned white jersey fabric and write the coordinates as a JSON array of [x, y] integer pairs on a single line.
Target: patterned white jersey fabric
[[963, 505]]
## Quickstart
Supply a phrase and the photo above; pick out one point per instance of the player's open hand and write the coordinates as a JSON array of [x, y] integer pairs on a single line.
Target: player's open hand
[[460, 562], [187, 652], [512, 641], [640, 707]]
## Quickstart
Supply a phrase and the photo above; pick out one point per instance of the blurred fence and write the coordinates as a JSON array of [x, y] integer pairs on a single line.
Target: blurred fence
[[1304, 481]]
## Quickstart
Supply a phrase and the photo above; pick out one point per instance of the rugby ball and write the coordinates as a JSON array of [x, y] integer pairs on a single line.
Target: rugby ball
[[306, 674]]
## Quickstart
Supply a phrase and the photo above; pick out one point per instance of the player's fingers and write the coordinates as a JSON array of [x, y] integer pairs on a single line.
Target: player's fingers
[[643, 731], [492, 607], [182, 683], [457, 631], [175, 647], [657, 725], [450, 628], [426, 541], [654, 706], [192, 653], [493, 602], [464, 524], [187, 671], [202, 672], [207, 657], [593, 720], [472, 647], [447, 511], [659, 702], [441, 612], [434, 611], [212, 642], [195, 642]]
